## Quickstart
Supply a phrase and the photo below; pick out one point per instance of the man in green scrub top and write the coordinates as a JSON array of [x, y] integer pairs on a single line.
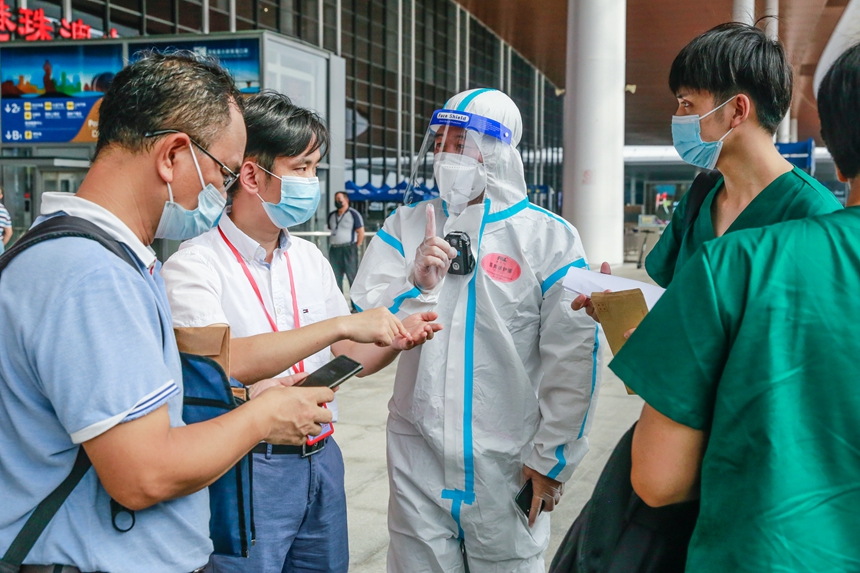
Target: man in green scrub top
[[733, 86], [739, 83], [758, 410]]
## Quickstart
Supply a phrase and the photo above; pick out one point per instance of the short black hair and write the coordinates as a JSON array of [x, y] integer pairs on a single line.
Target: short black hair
[[737, 58], [279, 128], [344, 193], [173, 90], [839, 108]]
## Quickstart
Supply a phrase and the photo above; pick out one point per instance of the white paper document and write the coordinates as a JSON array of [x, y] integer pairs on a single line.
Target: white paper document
[[586, 282]]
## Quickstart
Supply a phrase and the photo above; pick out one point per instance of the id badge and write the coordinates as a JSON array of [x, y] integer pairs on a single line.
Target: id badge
[[327, 430]]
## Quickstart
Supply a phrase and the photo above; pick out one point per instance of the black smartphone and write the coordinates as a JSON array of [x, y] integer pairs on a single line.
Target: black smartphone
[[334, 373], [524, 498]]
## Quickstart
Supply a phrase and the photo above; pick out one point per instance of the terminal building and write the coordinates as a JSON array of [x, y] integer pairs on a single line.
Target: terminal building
[[376, 70]]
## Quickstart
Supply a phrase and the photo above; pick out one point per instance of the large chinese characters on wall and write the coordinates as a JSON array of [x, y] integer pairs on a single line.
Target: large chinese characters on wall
[[34, 26], [51, 94]]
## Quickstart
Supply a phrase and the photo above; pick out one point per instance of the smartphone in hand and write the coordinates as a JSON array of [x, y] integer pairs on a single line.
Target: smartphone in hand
[[334, 373], [524, 498]]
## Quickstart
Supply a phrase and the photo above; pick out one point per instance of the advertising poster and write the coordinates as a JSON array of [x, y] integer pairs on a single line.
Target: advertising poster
[[241, 57], [52, 94]]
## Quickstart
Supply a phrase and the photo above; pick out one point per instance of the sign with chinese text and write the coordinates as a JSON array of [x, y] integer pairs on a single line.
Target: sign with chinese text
[[51, 94], [32, 25]]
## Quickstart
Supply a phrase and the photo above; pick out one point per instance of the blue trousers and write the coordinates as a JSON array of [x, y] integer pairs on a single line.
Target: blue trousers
[[299, 516]]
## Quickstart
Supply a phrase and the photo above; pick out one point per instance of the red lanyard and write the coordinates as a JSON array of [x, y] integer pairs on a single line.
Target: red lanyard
[[300, 367]]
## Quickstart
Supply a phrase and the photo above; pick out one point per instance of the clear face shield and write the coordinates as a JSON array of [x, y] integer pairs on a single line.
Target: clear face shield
[[450, 157]]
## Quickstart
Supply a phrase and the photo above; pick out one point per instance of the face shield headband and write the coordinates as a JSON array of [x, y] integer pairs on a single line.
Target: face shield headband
[[459, 135]]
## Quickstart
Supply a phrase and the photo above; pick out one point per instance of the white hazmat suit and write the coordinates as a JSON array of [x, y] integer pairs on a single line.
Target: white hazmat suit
[[512, 379]]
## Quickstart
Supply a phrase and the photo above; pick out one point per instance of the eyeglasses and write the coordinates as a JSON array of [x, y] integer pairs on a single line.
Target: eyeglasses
[[229, 175]]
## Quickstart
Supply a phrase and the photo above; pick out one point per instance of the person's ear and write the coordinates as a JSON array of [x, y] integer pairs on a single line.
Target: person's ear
[[841, 177], [166, 151], [743, 107], [250, 177]]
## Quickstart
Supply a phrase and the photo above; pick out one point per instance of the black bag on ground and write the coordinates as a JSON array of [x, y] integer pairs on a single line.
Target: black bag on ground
[[616, 532]]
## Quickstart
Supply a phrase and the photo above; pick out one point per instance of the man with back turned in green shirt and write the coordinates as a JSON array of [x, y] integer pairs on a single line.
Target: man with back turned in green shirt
[[758, 411]]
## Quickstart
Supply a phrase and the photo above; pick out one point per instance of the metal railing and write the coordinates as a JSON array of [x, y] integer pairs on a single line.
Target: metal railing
[[320, 239]]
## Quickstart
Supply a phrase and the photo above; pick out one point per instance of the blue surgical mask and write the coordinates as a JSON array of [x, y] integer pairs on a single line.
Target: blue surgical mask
[[687, 138], [178, 223], [299, 199]]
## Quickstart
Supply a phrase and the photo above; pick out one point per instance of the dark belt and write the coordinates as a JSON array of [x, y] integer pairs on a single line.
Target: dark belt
[[341, 245], [303, 450]]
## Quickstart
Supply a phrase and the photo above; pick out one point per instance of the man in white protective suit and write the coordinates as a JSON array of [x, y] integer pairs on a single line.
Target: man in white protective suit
[[506, 392]]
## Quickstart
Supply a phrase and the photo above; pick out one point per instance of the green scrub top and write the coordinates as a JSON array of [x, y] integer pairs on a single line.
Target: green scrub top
[[792, 195], [765, 359]]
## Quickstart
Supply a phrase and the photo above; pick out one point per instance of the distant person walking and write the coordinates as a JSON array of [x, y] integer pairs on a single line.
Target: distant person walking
[[6, 227], [347, 232]]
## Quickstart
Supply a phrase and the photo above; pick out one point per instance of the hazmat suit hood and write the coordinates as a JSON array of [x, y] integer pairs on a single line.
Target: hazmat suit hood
[[506, 182]]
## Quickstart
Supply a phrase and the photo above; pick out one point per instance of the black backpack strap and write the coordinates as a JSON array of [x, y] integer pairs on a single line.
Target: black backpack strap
[[66, 226], [44, 512], [55, 228], [702, 185]]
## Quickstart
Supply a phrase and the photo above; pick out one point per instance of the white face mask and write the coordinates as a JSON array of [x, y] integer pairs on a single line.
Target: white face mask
[[460, 178]]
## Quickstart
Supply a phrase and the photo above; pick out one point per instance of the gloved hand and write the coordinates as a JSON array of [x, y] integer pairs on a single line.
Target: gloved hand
[[432, 258], [546, 490]]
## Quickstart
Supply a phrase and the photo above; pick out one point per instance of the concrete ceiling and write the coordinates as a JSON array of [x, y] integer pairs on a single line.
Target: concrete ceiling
[[656, 32]]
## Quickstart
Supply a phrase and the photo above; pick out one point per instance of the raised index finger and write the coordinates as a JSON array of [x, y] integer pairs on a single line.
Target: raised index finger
[[431, 222]]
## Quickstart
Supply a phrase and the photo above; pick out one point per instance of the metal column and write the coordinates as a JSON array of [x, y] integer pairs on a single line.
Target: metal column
[[320, 23], [783, 132], [399, 124], [457, 51], [594, 126], [205, 8]]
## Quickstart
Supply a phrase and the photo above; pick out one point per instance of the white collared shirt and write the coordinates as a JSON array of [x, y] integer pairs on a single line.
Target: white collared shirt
[[110, 223], [206, 285]]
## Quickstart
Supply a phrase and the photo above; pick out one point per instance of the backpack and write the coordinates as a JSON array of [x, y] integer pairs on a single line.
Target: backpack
[[616, 532], [230, 496], [208, 394]]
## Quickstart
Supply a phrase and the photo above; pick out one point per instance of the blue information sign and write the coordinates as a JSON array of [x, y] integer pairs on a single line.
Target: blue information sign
[[241, 56], [51, 94]]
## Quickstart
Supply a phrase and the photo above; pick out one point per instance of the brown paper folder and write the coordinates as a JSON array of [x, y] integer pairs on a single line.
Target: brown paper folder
[[619, 312], [209, 341]]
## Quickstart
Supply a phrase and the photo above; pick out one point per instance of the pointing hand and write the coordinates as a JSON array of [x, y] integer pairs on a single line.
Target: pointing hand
[[433, 256]]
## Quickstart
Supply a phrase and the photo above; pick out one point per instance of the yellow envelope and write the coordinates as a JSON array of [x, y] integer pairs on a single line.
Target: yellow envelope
[[209, 341], [619, 312]]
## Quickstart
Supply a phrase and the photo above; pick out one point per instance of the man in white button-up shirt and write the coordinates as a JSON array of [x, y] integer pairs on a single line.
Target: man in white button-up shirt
[[252, 274]]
